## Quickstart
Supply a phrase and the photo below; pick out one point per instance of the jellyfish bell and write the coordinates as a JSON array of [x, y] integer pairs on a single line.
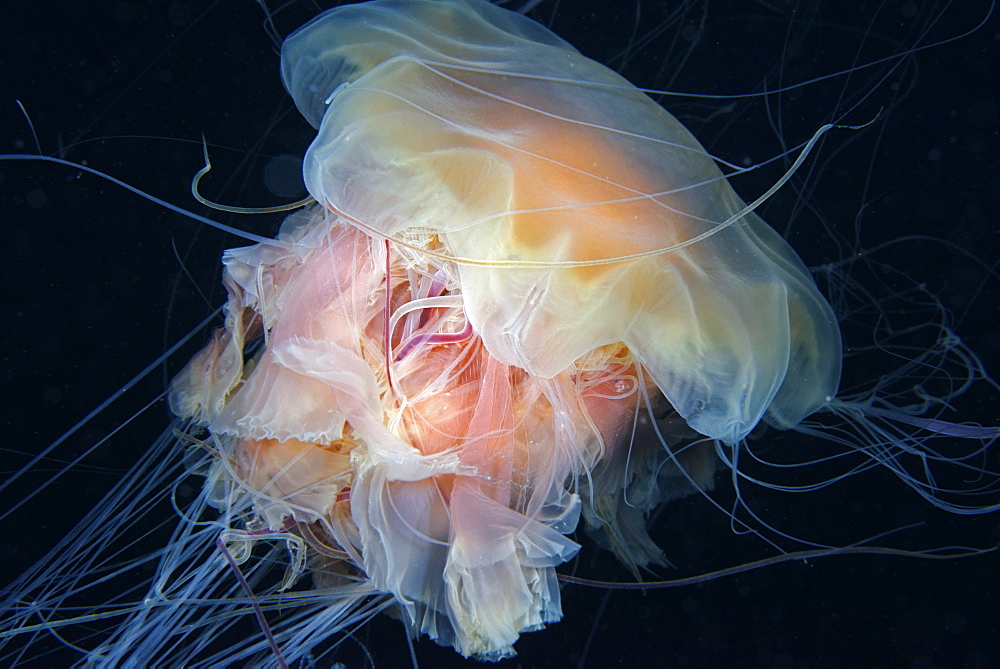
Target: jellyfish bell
[[525, 168], [271, 478]]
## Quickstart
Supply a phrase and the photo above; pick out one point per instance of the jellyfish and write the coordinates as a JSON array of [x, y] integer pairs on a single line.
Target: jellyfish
[[508, 316], [486, 306]]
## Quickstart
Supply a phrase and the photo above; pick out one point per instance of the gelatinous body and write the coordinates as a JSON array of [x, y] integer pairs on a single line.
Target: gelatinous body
[[515, 257]]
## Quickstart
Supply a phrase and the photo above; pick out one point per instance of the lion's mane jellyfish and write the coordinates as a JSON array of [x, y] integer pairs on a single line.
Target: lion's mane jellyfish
[[525, 304], [522, 278]]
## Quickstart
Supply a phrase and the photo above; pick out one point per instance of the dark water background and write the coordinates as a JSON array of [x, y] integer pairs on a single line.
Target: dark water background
[[93, 291]]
